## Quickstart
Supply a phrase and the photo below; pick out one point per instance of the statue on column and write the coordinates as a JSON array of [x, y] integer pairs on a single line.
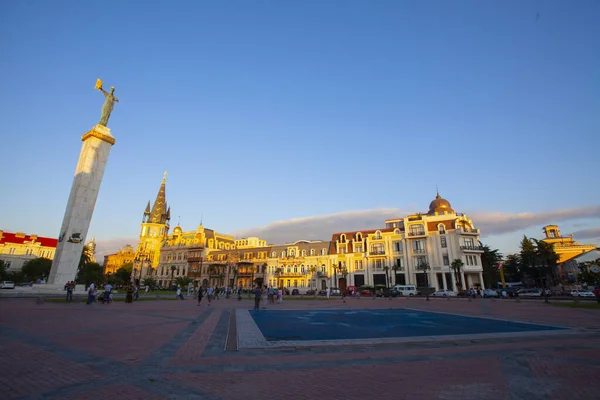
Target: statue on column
[[109, 103]]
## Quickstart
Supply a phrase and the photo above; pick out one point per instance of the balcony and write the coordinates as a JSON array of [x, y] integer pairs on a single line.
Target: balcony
[[290, 274], [467, 231], [417, 234], [377, 253], [419, 251], [322, 274], [471, 248]]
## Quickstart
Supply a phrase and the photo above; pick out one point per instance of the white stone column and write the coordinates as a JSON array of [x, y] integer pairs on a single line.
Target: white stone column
[[445, 280], [453, 279], [481, 280], [80, 206], [464, 281]]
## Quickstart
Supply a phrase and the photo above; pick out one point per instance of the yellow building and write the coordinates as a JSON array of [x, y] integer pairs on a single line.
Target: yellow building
[[250, 243], [153, 232], [112, 262], [302, 265], [565, 247]]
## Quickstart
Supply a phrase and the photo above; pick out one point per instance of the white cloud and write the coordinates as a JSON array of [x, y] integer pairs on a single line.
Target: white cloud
[[322, 227]]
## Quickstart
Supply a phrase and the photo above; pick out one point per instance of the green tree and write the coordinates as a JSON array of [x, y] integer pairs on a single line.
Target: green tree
[[150, 282], [425, 267], [490, 260], [512, 267], [456, 266], [36, 268], [90, 272], [123, 274], [183, 281]]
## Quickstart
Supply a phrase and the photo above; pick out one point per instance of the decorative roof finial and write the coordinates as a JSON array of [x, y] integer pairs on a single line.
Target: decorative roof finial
[[165, 177], [178, 220], [437, 191]]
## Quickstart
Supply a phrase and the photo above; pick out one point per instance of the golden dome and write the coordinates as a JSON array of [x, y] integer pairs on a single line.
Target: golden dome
[[439, 205], [177, 230]]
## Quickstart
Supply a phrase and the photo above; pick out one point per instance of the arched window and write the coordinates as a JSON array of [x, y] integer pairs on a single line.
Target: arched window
[[442, 229], [323, 252], [359, 236], [342, 238], [273, 254], [283, 254], [378, 235], [302, 268], [292, 252], [289, 269], [312, 252], [303, 253], [396, 231], [295, 269]]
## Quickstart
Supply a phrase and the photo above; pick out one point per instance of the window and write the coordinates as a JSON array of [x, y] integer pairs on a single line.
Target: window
[[358, 248], [302, 269], [378, 264], [289, 269], [358, 264], [418, 260], [292, 252], [323, 268], [377, 235], [415, 230], [323, 252], [442, 229], [469, 242], [359, 236], [295, 268], [312, 252], [397, 246], [342, 249], [471, 260], [288, 283], [377, 249], [443, 242], [295, 283], [446, 259], [418, 246], [398, 263], [303, 253], [342, 238], [273, 254]]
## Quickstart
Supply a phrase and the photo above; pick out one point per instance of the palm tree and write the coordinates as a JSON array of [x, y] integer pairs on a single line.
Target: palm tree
[[395, 268], [235, 274], [425, 267], [456, 265], [173, 268], [183, 281], [386, 268]]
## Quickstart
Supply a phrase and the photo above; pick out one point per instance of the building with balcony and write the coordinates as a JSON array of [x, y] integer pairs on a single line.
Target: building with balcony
[[302, 265], [397, 253]]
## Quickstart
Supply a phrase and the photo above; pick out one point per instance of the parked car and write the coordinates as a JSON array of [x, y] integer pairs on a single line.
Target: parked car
[[392, 293], [490, 293], [445, 293], [366, 293], [582, 293], [295, 292], [7, 285], [407, 290], [530, 293], [310, 292]]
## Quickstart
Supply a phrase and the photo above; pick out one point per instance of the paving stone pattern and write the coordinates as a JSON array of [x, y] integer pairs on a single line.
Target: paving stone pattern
[[176, 350]]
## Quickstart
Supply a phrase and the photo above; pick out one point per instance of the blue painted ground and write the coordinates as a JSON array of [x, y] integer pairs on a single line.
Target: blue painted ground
[[368, 324]]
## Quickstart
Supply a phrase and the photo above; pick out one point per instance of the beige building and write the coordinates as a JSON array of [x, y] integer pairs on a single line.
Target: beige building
[[392, 255], [18, 248]]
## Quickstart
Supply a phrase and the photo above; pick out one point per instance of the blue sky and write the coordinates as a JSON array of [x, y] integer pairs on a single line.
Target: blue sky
[[264, 111]]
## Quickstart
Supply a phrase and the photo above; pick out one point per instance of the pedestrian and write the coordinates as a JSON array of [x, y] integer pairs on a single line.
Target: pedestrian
[[91, 293], [257, 296], [136, 292], [327, 292], [216, 292], [344, 296], [280, 295], [107, 293], [179, 293], [69, 292], [264, 296], [597, 293], [129, 295], [503, 293], [200, 294], [147, 288], [209, 293]]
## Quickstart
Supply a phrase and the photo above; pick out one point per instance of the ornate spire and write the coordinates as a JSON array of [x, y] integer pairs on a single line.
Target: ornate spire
[[147, 212], [158, 215]]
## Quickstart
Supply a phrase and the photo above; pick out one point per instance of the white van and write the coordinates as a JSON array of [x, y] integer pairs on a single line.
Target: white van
[[407, 290]]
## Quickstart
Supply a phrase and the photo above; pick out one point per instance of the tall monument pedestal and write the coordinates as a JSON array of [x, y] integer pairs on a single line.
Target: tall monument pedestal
[[80, 207]]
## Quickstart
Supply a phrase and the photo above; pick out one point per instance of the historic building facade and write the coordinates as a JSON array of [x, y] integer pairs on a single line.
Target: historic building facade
[[409, 248], [566, 247], [18, 248], [112, 262]]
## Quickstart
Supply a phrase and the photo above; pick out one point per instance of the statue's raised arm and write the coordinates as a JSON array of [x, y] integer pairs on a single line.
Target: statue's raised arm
[[109, 102]]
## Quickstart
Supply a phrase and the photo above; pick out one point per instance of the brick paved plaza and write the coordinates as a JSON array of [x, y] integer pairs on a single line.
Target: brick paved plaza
[[177, 350]]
